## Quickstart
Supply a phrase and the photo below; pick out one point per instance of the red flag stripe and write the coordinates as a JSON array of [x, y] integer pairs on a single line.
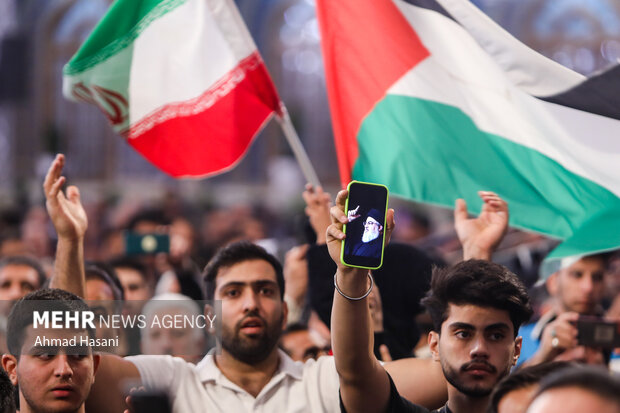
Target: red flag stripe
[[188, 144], [369, 34]]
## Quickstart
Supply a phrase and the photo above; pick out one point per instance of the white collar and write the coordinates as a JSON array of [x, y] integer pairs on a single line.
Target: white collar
[[209, 371]]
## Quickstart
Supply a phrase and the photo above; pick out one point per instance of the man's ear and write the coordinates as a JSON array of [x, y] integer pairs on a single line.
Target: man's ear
[[96, 361], [284, 314], [209, 313], [552, 283], [517, 350], [9, 364], [433, 344]]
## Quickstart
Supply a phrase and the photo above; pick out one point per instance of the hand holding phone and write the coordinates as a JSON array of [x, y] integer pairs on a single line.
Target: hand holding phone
[[366, 209]]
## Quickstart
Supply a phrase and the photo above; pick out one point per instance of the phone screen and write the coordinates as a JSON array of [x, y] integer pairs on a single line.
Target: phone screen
[[366, 208], [144, 244]]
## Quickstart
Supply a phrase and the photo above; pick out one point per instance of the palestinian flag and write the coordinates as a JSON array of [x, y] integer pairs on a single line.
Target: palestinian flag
[[436, 101], [180, 80]]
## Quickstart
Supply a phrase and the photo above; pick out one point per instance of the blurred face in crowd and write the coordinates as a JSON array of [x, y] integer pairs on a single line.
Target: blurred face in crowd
[[571, 400], [253, 313], [16, 280], [517, 400], [52, 379], [102, 302], [184, 342], [135, 287], [300, 346], [476, 348], [579, 287], [97, 289], [372, 229]]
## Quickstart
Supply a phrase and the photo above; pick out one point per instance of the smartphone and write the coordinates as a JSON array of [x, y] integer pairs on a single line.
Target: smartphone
[[144, 244], [149, 402], [595, 332], [366, 208]]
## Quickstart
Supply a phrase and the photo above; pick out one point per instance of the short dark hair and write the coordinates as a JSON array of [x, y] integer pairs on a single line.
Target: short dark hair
[[106, 273], [7, 394], [595, 380], [21, 315], [523, 378], [28, 262], [236, 253], [132, 263], [480, 283]]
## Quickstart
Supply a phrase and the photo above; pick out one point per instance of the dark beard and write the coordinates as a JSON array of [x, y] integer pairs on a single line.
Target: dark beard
[[252, 350], [472, 391]]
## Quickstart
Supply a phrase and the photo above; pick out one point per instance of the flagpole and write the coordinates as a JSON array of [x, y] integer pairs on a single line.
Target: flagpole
[[298, 150]]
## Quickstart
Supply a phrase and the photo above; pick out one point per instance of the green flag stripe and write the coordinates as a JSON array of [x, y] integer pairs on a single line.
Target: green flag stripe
[[433, 152], [121, 25]]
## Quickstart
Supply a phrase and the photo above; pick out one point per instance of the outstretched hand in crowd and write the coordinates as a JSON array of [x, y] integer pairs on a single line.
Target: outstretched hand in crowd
[[480, 236], [65, 211]]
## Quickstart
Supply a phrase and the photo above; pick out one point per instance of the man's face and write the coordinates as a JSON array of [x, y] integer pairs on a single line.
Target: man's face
[[136, 289], [301, 346], [16, 280], [184, 342], [134, 284], [372, 229], [476, 348], [571, 400], [50, 380], [253, 314], [579, 287]]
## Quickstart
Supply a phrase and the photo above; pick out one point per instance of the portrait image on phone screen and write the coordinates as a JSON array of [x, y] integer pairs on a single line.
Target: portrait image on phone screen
[[366, 208]]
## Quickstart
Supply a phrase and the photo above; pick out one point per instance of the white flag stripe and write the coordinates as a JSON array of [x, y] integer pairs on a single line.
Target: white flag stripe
[[581, 142], [173, 63]]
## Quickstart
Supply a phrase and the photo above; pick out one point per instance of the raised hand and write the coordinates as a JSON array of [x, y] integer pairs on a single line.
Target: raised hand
[[65, 211], [335, 236], [352, 215], [317, 210], [296, 273], [480, 236]]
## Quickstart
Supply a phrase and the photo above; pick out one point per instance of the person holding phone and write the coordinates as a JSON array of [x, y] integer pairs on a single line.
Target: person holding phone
[[474, 341], [577, 289]]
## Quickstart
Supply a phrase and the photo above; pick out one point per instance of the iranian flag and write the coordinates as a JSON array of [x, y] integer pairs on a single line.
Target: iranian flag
[[435, 100], [180, 80]]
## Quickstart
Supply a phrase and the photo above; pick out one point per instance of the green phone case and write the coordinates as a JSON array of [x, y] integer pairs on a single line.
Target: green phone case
[[344, 229]]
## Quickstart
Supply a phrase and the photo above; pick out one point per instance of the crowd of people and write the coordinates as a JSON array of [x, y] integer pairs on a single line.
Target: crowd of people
[[421, 333]]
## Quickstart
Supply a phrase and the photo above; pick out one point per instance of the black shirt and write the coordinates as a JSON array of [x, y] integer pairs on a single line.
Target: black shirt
[[398, 404]]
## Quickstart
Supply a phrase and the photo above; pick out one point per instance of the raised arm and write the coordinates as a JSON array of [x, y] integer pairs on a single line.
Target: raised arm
[[317, 209], [70, 222], [364, 384], [480, 236]]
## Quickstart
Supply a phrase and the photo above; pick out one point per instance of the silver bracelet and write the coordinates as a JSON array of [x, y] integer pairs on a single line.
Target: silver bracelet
[[372, 284]]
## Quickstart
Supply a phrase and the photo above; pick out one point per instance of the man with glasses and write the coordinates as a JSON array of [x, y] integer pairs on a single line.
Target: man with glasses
[[370, 244]]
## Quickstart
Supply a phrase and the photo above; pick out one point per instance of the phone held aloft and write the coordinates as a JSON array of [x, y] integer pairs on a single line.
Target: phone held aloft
[[366, 209], [145, 244]]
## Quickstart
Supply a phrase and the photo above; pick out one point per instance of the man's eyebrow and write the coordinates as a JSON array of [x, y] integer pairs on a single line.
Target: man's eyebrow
[[243, 283], [460, 325], [497, 326], [40, 349]]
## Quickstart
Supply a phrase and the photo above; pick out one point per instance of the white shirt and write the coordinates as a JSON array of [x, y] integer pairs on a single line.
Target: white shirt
[[295, 387]]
